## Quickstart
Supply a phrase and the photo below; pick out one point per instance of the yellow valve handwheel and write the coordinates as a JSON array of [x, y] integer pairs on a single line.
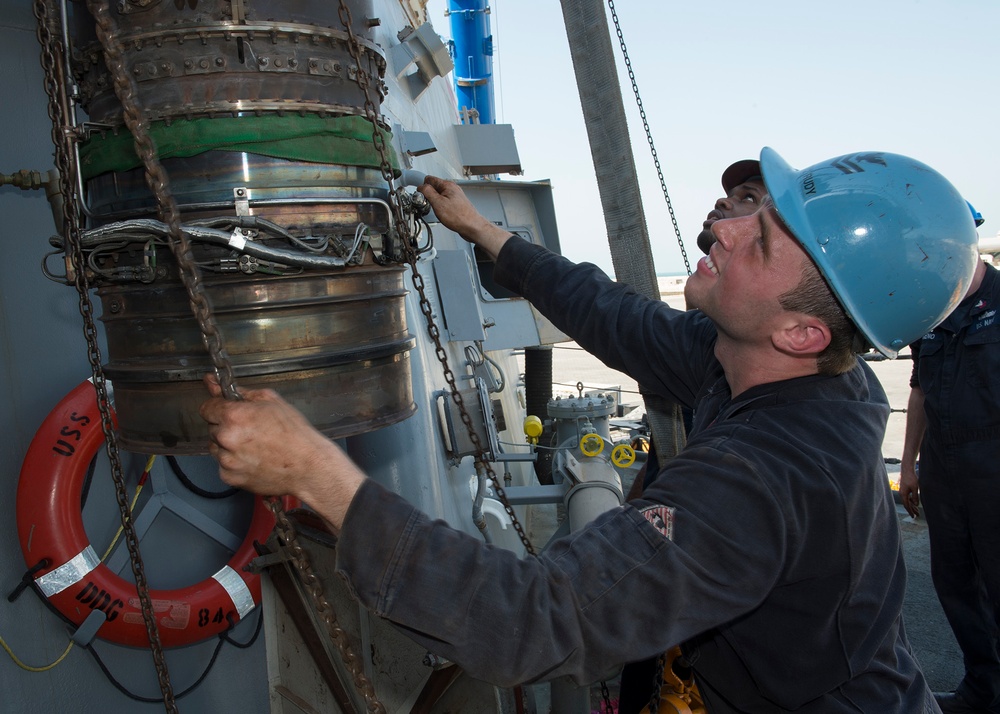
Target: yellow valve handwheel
[[623, 456], [592, 444]]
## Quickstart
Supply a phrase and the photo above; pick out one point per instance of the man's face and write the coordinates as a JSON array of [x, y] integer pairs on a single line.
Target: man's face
[[752, 261], [742, 200]]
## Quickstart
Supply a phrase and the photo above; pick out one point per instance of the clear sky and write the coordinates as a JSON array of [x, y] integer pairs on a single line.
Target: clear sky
[[721, 78]]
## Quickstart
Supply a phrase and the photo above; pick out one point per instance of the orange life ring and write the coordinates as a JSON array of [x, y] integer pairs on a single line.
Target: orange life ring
[[50, 527]]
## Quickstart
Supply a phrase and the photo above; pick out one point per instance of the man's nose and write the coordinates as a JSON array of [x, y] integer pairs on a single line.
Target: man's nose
[[724, 204], [726, 232]]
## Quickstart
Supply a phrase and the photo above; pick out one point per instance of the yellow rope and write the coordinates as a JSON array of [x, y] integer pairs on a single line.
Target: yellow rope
[[28, 667], [131, 507]]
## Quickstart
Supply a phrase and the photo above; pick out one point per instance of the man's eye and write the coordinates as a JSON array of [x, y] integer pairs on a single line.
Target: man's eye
[[750, 199]]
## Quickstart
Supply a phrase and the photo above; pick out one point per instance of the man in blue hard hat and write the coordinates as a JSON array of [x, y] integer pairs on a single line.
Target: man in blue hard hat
[[769, 547], [953, 422], [744, 194]]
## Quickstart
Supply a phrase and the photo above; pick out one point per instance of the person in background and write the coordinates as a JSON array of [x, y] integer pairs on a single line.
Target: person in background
[[953, 423], [769, 547], [745, 192]]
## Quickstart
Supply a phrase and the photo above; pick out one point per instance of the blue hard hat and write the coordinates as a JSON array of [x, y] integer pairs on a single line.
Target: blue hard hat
[[976, 215], [892, 237]]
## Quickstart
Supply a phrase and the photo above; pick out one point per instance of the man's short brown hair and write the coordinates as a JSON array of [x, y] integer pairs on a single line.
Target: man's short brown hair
[[812, 296]]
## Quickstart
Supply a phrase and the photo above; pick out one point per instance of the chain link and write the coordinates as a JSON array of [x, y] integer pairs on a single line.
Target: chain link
[[654, 699], [606, 697], [158, 182], [649, 136], [64, 139], [314, 586], [403, 227], [156, 178]]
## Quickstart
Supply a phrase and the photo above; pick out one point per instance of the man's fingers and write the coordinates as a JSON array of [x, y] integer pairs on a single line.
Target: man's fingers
[[430, 192], [261, 395], [248, 395], [212, 385]]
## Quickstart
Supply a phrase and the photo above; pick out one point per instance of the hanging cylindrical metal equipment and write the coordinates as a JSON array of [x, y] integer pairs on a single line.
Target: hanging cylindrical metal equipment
[[261, 125]]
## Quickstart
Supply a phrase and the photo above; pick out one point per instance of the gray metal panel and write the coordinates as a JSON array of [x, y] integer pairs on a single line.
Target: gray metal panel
[[488, 148], [526, 205], [462, 316], [524, 208], [424, 48]]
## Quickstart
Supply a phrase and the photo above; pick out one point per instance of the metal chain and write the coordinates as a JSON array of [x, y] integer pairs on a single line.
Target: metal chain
[[606, 697], [158, 182], [63, 138], [654, 699], [314, 586], [156, 178], [649, 135], [661, 661], [418, 282], [456, 397]]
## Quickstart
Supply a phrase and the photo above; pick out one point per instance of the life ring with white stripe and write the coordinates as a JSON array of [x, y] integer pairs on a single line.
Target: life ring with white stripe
[[75, 582]]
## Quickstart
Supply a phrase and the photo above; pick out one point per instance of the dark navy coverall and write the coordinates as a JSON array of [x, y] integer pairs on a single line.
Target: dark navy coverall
[[957, 367], [769, 545]]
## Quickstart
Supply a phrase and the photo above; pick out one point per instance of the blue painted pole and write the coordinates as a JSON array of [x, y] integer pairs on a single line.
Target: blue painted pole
[[472, 52]]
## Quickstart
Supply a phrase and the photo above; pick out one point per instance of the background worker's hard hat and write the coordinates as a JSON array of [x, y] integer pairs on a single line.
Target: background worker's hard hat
[[740, 172], [976, 215], [893, 238]]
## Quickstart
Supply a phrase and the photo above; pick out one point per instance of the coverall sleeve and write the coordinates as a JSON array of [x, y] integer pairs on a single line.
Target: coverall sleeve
[[508, 620], [915, 356], [665, 350]]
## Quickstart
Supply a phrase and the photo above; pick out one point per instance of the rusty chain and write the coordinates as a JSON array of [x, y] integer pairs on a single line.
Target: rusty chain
[[606, 698], [158, 183], [418, 282], [156, 178], [314, 586], [64, 139]]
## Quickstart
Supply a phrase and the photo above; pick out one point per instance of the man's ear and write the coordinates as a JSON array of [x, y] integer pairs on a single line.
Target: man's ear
[[801, 335]]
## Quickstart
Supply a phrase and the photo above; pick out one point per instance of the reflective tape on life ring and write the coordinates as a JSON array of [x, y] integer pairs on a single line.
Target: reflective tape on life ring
[[69, 573], [237, 590], [75, 582]]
